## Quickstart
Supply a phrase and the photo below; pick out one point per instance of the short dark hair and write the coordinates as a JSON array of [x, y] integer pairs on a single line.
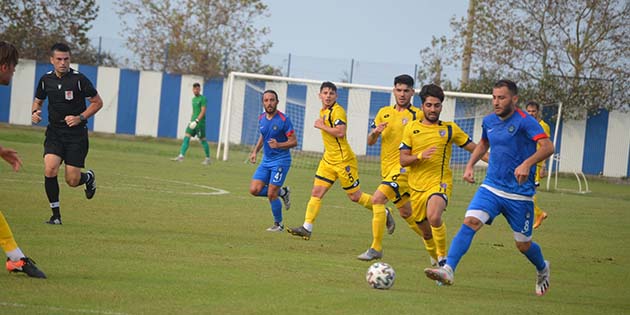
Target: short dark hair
[[196, 84], [511, 85], [329, 85], [431, 90], [532, 103], [404, 79], [59, 47], [8, 54], [272, 92]]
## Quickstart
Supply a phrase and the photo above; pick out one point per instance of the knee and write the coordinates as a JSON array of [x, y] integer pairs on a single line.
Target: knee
[[272, 195], [378, 199], [523, 246], [72, 182], [473, 223], [254, 191]]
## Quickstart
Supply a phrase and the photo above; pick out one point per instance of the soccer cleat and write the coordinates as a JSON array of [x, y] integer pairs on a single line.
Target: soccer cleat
[[300, 231], [276, 228], [370, 254], [53, 221], [436, 264], [206, 161], [442, 274], [542, 281], [179, 158], [538, 220], [90, 185], [390, 223], [286, 198], [25, 265]]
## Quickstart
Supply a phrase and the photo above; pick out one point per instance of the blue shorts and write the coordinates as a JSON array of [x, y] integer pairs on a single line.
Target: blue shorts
[[486, 205], [272, 173]]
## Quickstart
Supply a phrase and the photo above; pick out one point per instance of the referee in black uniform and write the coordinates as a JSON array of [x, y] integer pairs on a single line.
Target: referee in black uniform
[[67, 133]]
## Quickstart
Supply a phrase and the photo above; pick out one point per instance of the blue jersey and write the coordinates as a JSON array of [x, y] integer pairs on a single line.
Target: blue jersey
[[279, 127], [511, 141]]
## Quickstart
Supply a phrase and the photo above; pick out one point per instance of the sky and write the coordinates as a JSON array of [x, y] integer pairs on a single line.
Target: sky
[[382, 37]]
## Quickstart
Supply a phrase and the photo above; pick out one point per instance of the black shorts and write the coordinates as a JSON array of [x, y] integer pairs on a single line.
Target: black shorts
[[71, 144]]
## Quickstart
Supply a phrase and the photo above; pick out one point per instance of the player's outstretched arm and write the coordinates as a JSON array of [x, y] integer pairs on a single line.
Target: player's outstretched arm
[[479, 151], [338, 131], [376, 132], [11, 157]]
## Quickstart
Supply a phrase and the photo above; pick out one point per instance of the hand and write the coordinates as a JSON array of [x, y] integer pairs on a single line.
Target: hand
[[426, 154], [252, 158], [469, 175], [521, 173], [193, 124], [72, 120], [36, 117], [273, 143], [379, 129], [319, 123], [11, 157]]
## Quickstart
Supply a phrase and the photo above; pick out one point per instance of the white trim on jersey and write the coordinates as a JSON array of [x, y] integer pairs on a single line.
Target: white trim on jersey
[[507, 195]]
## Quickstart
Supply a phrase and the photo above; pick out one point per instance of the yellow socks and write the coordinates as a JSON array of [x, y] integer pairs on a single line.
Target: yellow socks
[[439, 236], [312, 209], [378, 226], [7, 242], [366, 201]]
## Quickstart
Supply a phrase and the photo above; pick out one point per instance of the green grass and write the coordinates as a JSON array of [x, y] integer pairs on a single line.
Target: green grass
[[145, 245]]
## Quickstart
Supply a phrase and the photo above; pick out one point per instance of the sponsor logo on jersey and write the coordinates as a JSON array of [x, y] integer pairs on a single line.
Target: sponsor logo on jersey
[[511, 128]]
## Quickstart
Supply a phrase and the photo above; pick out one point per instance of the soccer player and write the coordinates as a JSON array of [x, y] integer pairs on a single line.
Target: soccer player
[[277, 136], [16, 260], [338, 161], [533, 109], [509, 183], [67, 133], [389, 123], [197, 126], [426, 148]]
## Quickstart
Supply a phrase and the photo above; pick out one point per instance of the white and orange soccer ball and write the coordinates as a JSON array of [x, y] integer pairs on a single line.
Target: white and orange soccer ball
[[380, 276]]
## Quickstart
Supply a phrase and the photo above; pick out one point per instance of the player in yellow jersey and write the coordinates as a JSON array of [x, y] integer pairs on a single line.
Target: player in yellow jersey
[[338, 162], [16, 260], [533, 109], [426, 149], [389, 123]]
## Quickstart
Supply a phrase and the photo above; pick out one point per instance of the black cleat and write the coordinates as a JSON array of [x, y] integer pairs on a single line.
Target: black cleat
[[54, 220], [300, 231], [90, 185], [25, 265]]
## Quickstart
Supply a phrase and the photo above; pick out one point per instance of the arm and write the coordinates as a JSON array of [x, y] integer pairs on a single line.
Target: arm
[[257, 147], [96, 103], [36, 110], [338, 131], [480, 151], [406, 158], [376, 132], [11, 157], [470, 147], [290, 143], [202, 113], [544, 151]]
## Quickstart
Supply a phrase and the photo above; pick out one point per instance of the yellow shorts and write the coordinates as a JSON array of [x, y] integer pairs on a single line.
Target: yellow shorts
[[346, 172], [395, 187], [419, 200]]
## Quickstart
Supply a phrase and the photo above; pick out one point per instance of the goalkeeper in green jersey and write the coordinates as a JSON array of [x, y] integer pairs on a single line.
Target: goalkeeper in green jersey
[[197, 126]]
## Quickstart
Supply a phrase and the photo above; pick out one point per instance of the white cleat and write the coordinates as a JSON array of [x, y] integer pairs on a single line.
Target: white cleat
[[542, 281], [179, 158], [443, 274], [206, 161]]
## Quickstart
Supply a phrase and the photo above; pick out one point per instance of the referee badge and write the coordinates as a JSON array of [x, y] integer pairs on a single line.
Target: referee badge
[[69, 96]]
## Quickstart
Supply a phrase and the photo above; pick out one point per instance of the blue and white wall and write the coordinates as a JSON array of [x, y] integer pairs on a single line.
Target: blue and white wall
[[148, 103]]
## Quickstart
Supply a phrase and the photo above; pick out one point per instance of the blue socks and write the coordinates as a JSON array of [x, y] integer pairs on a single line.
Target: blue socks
[[460, 245], [534, 254], [276, 210], [263, 192]]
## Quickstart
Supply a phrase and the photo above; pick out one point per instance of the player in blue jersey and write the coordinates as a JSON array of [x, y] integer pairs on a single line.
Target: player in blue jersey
[[277, 137], [508, 188]]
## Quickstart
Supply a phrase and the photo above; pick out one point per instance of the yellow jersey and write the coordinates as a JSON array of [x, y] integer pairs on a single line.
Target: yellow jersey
[[418, 137], [336, 149], [547, 130], [392, 134]]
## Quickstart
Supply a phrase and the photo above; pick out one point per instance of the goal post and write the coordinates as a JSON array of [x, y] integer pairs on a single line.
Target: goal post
[[299, 100]]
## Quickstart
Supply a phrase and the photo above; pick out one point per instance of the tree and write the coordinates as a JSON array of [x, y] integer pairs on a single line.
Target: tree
[[573, 51], [34, 26], [433, 60], [203, 37]]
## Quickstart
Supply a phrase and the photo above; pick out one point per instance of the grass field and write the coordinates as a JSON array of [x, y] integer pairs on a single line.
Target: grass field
[[160, 238]]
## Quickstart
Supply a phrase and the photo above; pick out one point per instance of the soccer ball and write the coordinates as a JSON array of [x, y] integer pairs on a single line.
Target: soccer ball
[[380, 276]]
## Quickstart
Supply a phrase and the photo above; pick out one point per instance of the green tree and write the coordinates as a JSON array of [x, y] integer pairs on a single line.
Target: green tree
[[34, 26], [203, 37], [570, 51]]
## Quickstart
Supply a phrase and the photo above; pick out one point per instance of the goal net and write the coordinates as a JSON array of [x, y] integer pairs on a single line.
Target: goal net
[[298, 99]]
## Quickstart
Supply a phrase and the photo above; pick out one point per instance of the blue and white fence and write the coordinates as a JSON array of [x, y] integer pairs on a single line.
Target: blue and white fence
[[148, 103]]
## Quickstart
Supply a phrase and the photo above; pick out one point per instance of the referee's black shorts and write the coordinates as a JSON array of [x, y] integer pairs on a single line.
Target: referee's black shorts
[[71, 144]]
